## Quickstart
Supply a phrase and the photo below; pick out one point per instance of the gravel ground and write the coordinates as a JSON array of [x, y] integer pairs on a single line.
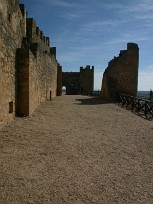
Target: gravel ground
[[77, 150]]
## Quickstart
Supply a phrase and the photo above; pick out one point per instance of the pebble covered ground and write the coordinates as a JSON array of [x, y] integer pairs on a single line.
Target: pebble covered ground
[[77, 150]]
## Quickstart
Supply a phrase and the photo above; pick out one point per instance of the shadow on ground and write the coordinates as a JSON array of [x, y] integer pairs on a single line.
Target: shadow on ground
[[92, 101]]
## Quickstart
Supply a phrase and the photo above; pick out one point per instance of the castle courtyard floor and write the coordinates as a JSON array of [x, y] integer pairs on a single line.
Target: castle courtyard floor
[[77, 150]]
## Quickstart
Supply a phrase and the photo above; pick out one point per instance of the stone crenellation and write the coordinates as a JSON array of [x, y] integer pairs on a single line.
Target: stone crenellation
[[28, 66], [35, 36], [121, 75]]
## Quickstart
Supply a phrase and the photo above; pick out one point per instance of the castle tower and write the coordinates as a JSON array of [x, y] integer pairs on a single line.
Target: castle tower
[[86, 79]]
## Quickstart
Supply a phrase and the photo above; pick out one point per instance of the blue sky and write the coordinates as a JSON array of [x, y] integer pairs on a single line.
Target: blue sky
[[92, 32]]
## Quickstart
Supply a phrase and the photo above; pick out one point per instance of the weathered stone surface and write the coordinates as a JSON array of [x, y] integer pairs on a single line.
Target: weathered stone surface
[[28, 69], [12, 31], [121, 75]]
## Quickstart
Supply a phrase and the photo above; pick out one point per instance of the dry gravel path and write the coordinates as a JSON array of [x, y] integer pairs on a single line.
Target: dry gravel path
[[77, 150]]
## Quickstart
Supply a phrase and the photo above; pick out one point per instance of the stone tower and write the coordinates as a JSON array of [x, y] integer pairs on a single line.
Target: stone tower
[[77, 82], [87, 78]]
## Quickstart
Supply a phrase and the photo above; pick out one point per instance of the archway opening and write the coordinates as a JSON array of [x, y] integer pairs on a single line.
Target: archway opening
[[64, 90]]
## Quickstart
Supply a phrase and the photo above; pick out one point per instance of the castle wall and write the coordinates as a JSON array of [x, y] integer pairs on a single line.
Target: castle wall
[[54, 77], [121, 75], [12, 31], [28, 66], [39, 79], [35, 37], [35, 80], [71, 81], [76, 82], [22, 91]]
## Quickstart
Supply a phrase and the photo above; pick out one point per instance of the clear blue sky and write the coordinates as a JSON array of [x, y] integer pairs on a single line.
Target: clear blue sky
[[92, 32]]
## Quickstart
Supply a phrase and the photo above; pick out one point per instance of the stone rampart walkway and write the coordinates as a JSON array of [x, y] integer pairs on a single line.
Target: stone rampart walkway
[[74, 150]]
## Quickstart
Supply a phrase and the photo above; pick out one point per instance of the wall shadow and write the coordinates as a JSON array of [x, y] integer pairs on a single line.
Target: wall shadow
[[92, 101]]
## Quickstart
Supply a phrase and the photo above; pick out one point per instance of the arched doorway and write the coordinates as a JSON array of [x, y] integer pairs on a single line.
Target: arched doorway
[[63, 90]]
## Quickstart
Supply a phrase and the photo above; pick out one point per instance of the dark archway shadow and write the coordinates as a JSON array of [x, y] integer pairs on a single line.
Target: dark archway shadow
[[92, 101]]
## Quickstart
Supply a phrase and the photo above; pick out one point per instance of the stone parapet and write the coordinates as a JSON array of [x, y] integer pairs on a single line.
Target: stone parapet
[[35, 35]]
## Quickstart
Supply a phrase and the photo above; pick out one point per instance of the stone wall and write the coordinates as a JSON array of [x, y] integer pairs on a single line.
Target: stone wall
[[121, 75], [28, 66], [59, 80], [76, 82], [34, 80], [71, 81], [37, 72], [86, 78], [54, 66], [12, 31], [22, 78]]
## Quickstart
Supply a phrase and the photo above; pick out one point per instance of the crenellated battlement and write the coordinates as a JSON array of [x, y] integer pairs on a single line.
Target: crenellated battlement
[[53, 51], [35, 35], [23, 10], [87, 68]]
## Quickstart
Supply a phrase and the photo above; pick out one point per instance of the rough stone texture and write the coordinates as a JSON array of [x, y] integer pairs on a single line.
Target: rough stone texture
[[12, 31], [76, 82], [59, 80], [121, 74], [35, 80], [28, 66], [22, 96]]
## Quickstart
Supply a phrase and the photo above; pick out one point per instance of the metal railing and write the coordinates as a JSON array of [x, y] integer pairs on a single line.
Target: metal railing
[[91, 93], [140, 106]]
